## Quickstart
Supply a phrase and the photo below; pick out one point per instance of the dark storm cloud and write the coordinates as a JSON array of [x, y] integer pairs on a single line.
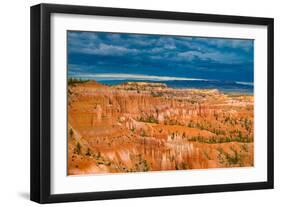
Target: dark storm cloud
[[191, 57]]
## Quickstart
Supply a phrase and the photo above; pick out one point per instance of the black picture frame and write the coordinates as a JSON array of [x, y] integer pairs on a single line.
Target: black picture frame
[[41, 96]]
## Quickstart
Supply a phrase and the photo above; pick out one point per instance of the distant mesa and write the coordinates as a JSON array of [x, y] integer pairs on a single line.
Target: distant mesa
[[141, 85], [89, 83]]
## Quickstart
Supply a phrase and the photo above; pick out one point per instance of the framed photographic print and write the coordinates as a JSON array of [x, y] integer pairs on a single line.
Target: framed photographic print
[[132, 103]]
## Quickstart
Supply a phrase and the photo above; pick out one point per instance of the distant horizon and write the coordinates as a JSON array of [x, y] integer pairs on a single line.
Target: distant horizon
[[171, 82], [142, 77], [99, 54]]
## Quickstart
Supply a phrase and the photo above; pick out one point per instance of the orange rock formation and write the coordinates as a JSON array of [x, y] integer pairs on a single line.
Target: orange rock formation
[[135, 127]]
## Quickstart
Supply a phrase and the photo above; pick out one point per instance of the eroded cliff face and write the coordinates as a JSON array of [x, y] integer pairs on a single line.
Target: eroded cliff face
[[146, 127]]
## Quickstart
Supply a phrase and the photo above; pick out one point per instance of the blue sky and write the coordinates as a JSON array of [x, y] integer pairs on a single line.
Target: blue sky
[[102, 56]]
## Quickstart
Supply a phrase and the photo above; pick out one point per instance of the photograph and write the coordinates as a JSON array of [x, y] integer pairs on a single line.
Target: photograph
[[133, 103], [154, 102]]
